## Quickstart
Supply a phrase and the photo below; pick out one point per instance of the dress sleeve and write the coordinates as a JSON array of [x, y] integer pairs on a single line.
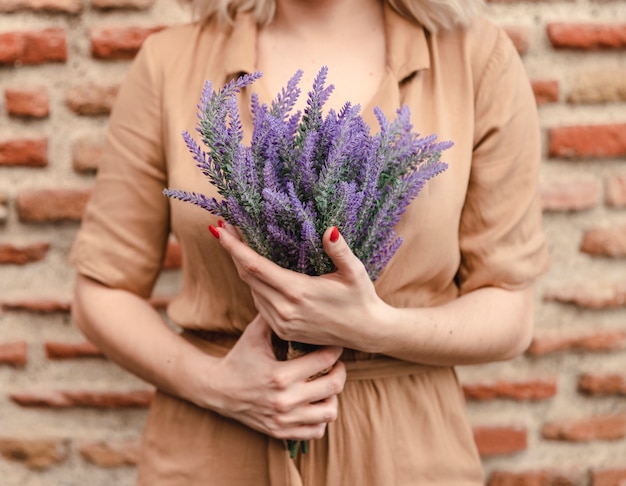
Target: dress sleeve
[[500, 234], [126, 223]]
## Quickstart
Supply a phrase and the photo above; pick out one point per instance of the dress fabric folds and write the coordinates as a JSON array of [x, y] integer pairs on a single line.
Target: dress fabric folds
[[384, 405]]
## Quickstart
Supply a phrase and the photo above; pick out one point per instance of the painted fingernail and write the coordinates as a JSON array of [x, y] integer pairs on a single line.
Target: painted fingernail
[[214, 232], [221, 224], [334, 234]]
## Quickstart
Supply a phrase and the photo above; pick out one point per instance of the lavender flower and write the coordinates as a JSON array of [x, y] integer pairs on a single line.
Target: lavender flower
[[304, 172]]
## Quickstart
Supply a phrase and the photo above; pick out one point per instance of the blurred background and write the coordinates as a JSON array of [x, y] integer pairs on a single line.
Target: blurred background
[[554, 416]]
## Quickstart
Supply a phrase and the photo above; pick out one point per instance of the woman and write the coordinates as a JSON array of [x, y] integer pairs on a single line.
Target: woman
[[458, 291]]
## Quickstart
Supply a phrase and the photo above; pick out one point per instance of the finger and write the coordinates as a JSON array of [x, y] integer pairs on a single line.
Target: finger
[[233, 230], [302, 368], [263, 291], [250, 264], [277, 311], [346, 262], [326, 386], [317, 413], [320, 412], [300, 432], [281, 314], [258, 328], [258, 332]]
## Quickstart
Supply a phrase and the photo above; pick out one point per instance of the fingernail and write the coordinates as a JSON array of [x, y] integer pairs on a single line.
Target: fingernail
[[221, 224], [214, 231], [334, 234]]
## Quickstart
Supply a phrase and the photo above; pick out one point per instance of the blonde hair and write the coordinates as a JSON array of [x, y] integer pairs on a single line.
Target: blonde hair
[[434, 15]]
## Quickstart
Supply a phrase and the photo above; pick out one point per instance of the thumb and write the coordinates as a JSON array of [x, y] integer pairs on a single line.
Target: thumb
[[340, 253], [257, 330]]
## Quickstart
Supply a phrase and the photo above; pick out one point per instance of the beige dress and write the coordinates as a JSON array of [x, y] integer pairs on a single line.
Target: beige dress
[[477, 224]]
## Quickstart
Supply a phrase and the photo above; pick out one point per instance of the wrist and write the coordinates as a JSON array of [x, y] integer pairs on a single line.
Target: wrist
[[195, 379], [383, 320]]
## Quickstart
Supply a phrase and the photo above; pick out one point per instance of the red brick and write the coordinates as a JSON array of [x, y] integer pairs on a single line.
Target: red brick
[[546, 91], [590, 295], [83, 398], [574, 195], [536, 478], [21, 255], [608, 477], [40, 306], [35, 453], [91, 99], [119, 43], [26, 152], [616, 191], [12, 45], [520, 36], [59, 350], [520, 390], [36, 47], [60, 6], [122, 4], [587, 35], [595, 141], [503, 440], [14, 354], [52, 205], [599, 341], [27, 102], [602, 384], [86, 153], [609, 242], [110, 454], [602, 427], [48, 45], [173, 255]]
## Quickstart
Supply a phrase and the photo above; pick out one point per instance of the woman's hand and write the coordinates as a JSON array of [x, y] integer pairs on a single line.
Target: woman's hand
[[249, 384], [343, 309], [340, 308], [277, 397]]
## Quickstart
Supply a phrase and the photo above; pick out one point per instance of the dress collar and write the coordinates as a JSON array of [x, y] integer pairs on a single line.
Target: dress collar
[[240, 50], [407, 53], [407, 48]]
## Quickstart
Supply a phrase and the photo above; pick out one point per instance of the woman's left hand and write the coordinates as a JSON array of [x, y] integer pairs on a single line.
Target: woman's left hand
[[340, 308]]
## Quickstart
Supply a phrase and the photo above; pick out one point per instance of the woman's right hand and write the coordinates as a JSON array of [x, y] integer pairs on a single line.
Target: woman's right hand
[[276, 397], [249, 384]]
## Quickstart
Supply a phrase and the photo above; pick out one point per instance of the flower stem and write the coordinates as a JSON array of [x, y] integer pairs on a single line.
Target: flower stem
[[294, 445]]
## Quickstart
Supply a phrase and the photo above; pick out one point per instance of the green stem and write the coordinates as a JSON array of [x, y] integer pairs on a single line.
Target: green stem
[[294, 445]]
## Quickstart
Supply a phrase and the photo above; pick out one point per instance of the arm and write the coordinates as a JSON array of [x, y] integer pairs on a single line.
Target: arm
[[248, 384], [488, 324], [342, 308], [119, 323]]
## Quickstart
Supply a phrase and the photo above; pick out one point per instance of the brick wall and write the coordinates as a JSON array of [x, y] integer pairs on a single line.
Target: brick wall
[[555, 416]]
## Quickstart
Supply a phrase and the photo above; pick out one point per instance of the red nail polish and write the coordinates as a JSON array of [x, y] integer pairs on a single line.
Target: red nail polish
[[214, 232], [221, 224], [334, 234]]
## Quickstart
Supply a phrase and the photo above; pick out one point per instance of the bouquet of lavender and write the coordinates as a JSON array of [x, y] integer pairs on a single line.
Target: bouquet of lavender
[[303, 173]]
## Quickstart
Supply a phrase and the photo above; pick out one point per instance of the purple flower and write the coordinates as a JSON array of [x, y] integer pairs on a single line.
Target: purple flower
[[303, 173]]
